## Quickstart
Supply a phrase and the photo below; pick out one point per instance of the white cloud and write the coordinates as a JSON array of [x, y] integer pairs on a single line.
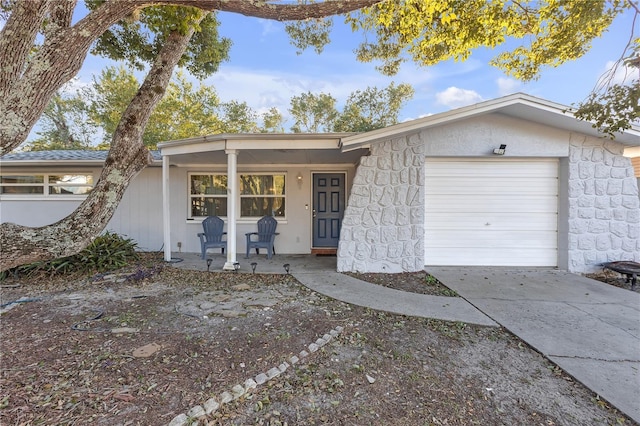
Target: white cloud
[[619, 73], [454, 97], [507, 86]]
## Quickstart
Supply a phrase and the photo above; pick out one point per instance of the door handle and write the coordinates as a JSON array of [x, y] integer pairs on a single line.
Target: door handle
[[313, 213]]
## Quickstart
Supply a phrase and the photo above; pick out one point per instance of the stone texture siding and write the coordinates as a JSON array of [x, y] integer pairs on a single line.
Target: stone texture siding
[[383, 225], [604, 207]]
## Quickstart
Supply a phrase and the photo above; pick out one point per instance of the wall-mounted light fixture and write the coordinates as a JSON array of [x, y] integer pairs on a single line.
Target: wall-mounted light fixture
[[501, 150], [299, 178]]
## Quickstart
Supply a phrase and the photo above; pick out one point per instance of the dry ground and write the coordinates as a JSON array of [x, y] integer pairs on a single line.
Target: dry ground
[[69, 357]]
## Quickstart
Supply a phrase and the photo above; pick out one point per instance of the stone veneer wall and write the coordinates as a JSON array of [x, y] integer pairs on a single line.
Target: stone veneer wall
[[383, 225], [604, 208]]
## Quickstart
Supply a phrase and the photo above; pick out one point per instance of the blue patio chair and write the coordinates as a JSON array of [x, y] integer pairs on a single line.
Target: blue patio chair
[[264, 238], [212, 235]]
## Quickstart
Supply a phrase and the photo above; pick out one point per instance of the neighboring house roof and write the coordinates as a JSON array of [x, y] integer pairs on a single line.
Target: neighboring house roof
[[64, 157], [518, 105]]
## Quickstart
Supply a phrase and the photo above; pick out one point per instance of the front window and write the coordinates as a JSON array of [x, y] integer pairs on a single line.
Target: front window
[[207, 195], [262, 195], [46, 184]]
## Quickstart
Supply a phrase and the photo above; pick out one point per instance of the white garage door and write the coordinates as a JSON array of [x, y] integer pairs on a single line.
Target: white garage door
[[498, 212]]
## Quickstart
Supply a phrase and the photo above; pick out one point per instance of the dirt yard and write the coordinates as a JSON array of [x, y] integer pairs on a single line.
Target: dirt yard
[[155, 344]]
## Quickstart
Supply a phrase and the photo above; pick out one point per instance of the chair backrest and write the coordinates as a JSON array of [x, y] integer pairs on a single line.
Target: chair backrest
[[213, 226], [266, 228]]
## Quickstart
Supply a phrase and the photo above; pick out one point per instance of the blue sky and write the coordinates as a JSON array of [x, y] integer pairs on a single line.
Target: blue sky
[[265, 71]]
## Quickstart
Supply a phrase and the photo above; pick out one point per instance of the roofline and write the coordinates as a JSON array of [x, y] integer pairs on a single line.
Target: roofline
[[252, 137], [358, 140]]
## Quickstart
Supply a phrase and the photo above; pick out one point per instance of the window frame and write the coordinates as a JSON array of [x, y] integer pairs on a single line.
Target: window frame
[[47, 185], [191, 196], [246, 196]]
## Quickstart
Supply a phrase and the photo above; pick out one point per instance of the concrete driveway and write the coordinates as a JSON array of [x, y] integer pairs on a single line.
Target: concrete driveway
[[588, 328]]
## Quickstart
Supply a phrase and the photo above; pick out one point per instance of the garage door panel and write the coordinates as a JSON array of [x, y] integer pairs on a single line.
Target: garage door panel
[[491, 239], [478, 204], [491, 212], [482, 168], [496, 221], [493, 186], [483, 257]]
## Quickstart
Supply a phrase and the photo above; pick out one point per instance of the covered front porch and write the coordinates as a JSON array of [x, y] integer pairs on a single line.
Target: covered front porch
[[278, 264], [297, 161]]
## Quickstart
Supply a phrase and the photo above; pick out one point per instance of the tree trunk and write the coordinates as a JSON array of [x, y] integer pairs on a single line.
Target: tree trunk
[[127, 157]]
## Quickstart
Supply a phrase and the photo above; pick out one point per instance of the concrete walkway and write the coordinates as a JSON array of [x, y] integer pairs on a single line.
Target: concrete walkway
[[590, 329], [351, 290]]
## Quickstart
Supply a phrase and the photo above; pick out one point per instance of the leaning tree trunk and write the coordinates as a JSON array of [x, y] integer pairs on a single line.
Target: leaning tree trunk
[[127, 157]]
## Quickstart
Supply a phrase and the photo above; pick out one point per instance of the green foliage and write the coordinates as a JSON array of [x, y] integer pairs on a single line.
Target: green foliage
[[373, 108], [438, 30], [310, 33], [614, 107], [138, 39], [313, 113], [64, 124], [365, 110], [614, 110], [105, 253]]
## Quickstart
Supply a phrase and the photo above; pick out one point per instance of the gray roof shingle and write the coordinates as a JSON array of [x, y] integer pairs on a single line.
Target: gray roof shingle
[[63, 155]]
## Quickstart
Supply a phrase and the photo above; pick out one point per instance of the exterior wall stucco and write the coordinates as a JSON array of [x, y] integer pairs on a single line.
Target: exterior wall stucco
[[598, 206], [604, 208], [383, 225]]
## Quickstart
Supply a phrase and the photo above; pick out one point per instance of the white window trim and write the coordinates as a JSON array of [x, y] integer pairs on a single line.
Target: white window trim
[[252, 219], [46, 185], [237, 200], [198, 219]]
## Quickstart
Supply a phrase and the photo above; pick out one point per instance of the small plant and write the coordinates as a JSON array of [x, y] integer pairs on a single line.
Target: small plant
[[107, 252]]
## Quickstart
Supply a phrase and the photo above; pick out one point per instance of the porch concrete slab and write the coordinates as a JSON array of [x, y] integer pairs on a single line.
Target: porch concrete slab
[[351, 290], [590, 329]]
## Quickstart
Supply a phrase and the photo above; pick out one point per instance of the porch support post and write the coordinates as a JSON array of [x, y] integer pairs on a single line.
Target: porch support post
[[166, 218], [232, 199]]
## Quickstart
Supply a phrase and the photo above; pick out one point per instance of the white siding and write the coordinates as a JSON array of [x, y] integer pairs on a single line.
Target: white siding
[[500, 212], [139, 215]]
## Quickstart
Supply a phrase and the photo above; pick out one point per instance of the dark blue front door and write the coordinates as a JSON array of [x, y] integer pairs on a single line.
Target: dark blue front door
[[328, 208]]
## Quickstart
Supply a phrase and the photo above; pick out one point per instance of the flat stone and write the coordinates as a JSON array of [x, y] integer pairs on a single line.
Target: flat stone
[[250, 384], [225, 397], [313, 347], [274, 372], [196, 412], [261, 378], [241, 287], [238, 391], [294, 360], [283, 367], [211, 405], [146, 350], [179, 420], [304, 354]]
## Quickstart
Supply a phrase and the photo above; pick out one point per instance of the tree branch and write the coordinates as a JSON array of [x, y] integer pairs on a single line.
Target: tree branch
[[127, 157]]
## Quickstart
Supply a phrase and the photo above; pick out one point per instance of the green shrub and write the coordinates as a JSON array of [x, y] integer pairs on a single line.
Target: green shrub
[[107, 252]]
